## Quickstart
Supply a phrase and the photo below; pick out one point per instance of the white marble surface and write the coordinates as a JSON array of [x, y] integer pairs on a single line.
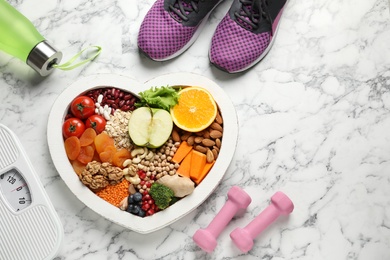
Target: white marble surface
[[314, 123]]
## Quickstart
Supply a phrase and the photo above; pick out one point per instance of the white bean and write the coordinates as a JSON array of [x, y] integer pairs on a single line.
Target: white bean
[[100, 98], [106, 115], [101, 110]]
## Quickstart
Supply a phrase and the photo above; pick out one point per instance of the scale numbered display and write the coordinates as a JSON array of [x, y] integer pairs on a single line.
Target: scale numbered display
[[29, 225], [15, 190]]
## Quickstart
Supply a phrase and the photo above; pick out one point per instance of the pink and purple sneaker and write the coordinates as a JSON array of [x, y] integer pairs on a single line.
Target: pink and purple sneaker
[[171, 26], [246, 33]]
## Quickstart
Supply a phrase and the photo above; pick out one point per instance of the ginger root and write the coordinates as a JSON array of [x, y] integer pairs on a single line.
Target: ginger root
[[181, 186]]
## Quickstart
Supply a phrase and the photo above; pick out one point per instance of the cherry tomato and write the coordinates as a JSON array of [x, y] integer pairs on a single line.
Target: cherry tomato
[[82, 107], [73, 127], [96, 122]]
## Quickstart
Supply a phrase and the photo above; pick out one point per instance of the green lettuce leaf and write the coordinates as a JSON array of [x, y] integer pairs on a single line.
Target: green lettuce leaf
[[163, 97]]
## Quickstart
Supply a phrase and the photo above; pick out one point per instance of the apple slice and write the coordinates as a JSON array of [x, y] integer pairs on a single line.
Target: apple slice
[[161, 130], [139, 124], [150, 127]]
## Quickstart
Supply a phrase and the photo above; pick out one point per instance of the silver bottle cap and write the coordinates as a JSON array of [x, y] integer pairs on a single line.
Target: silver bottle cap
[[42, 58]]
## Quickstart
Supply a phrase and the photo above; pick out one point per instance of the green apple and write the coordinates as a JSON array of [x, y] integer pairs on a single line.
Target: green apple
[[150, 127]]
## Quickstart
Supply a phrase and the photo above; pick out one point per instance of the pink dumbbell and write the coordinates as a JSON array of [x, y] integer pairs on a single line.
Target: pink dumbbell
[[243, 237], [237, 200]]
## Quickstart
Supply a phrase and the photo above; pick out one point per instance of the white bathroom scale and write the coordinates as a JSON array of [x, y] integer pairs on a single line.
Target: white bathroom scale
[[29, 225]]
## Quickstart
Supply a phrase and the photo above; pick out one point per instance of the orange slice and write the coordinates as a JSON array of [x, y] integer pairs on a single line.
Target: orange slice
[[195, 111]]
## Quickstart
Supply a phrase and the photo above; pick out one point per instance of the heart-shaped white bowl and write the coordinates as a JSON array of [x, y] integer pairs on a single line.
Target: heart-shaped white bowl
[[182, 207]]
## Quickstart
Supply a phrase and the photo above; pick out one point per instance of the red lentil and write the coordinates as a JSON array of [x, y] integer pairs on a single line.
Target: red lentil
[[114, 194]]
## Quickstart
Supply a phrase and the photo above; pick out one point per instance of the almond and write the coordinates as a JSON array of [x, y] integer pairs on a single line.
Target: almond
[[215, 134], [206, 134], [218, 143], [218, 119], [185, 136], [201, 149], [208, 142], [175, 136], [132, 189], [216, 126], [209, 156], [198, 139], [199, 133], [190, 140], [215, 153]]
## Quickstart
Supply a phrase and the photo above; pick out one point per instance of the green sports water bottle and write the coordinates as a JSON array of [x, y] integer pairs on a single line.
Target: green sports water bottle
[[19, 38]]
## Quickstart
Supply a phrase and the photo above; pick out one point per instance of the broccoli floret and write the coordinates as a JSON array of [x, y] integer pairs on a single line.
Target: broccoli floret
[[161, 194]]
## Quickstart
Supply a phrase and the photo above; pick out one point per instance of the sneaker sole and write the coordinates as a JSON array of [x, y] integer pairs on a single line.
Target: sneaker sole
[[193, 39], [265, 52]]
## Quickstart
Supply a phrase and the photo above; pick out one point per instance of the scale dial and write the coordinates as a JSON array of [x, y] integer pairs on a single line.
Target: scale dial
[[15, 190]]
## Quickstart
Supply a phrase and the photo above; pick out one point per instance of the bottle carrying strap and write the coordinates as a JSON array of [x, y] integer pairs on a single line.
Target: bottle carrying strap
[[69, 64]]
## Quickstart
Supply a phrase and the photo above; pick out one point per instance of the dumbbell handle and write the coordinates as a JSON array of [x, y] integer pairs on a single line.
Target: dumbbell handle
[[263, 220], [223, 217]]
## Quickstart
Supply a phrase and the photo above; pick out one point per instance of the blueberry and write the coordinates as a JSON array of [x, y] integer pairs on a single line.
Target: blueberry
[[137, 197], [141, 213], [130, 199], [130, 208], [136, 209]]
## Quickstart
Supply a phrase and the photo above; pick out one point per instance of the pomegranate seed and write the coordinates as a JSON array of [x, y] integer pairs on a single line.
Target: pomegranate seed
[[141, 175]]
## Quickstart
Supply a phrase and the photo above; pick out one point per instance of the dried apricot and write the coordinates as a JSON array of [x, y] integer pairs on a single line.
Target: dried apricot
[[86, 154], [120, 156], [102, 141], [78, 167], [96, 156], [72, 147], [88, 137], [107, 154]]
